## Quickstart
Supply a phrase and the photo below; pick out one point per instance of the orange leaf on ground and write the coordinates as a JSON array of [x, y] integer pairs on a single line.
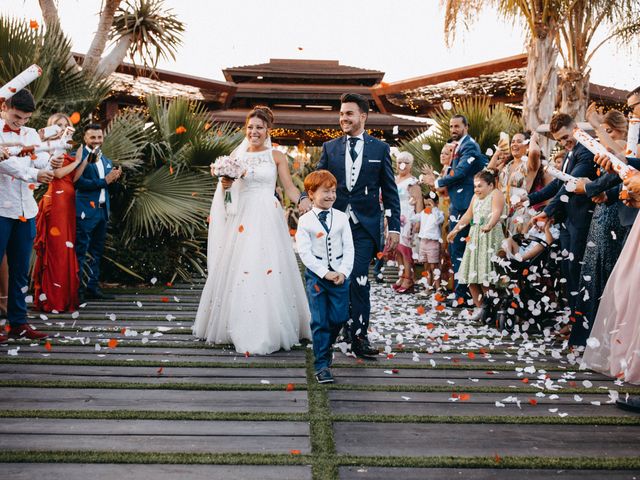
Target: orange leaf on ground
[[241, 228], [295, 452], [471, 355], [464, 397], [533, 401], [113, 343], [74, 117], [47, 346], [430, 326], [445, 337], [440, 308], [290, 387], [439, 297], [420, 310], [525, 380], [54, 231]]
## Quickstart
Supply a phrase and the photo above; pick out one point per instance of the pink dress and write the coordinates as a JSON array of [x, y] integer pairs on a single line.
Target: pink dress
[[614, 345]]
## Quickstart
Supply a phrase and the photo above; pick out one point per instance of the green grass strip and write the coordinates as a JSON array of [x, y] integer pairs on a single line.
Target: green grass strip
[[489, 419], [383, 364], [145, 386], [477, 389], [124, 342], [8, 456], [577, 463], [323, 445], [147, 363], [157, 415]]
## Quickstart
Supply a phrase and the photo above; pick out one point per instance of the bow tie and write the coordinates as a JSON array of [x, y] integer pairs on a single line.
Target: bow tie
[[7, 129]]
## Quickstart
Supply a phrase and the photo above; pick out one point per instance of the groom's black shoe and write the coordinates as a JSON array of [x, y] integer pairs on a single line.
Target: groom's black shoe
[[362, 349], [324, 376], [98, 295], [632, 404]]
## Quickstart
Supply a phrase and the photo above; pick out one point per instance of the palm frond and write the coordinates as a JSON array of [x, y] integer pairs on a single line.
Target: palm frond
[[169, 202], [125, 140]]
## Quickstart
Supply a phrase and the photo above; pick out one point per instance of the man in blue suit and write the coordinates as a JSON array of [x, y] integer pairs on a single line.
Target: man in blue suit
[[362, 166], [574, 211], [92, 211], [467, 161]]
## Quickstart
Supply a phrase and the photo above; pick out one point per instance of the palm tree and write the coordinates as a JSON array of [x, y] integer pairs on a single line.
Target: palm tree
[[60, 88], [565, 26], [486, 121], [142, 29], [166, 192]]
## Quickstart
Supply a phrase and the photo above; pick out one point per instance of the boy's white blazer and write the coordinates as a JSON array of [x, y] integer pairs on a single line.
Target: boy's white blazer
[[320, 249]]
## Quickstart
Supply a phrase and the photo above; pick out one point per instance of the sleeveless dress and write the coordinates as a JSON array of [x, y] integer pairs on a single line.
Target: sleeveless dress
[[614, 345], [476, 266], [253, 296], [407, 211], [55, 272], [513, 179]]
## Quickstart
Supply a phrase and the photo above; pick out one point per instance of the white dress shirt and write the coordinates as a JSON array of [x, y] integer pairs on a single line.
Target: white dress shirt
[[100, 167], [19, 175], [352, 169], [323, 251], [430, 223]]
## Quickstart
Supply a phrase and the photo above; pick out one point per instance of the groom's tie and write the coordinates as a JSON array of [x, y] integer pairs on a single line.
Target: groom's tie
[[352, 148], [322, 216]]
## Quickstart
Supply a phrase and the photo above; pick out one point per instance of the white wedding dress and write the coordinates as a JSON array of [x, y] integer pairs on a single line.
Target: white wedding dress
[[253, 296]]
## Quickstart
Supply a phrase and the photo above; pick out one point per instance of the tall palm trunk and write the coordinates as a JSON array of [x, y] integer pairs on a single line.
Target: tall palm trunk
[[541, 80], [574, 91], [110, 63], [92, 58]]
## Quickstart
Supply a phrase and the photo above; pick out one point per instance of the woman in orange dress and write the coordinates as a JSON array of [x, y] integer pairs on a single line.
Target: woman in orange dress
[[55, 274]]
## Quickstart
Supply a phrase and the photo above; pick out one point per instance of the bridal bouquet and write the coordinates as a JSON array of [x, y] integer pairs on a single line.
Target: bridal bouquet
[[228, 167]]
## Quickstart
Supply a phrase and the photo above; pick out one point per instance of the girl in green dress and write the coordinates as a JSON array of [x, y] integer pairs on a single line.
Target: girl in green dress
[[485, 215]]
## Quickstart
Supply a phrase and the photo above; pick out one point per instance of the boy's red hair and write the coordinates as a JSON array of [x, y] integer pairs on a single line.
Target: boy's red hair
[[319, 178]]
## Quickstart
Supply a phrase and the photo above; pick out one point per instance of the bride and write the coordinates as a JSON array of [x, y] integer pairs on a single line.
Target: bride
[[253, 296]]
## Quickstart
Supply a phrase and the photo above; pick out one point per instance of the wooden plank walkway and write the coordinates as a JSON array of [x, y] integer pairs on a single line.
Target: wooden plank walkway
[[123, 390]]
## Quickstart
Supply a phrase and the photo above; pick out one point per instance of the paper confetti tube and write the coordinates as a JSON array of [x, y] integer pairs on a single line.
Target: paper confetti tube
[[18, 83], [570, 180], [632, 137], [621, 168]]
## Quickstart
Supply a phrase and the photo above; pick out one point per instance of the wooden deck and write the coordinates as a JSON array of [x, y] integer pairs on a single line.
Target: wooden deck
[[445, 400]]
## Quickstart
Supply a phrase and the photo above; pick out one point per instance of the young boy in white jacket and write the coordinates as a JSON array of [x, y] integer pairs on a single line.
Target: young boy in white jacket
[[325, 246]]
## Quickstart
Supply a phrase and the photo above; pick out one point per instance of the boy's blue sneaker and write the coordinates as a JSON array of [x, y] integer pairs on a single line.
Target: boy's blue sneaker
[[324, 376]]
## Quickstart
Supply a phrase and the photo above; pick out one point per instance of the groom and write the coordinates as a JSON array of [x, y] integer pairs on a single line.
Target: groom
[[362, 166]]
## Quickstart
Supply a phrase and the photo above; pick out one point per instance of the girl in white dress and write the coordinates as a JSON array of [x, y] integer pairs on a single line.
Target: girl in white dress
[[253, 296]]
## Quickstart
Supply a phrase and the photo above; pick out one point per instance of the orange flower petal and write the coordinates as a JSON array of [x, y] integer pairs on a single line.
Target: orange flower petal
[[74, 117], [33, 24], [54, 231], [290, 387], [180, 130], [319, 234], [47, 346], [427, 210], [22, 218], [113, 343], [93, 204], [241, 228], [420, 310], [471, 355], [269, 272], [295, 452], [440, 308]]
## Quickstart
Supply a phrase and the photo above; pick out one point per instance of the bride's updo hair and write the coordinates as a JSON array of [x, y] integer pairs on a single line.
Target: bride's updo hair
[[262, 112]]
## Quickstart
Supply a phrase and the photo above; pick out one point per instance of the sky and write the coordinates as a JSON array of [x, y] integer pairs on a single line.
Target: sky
[[403, 38]]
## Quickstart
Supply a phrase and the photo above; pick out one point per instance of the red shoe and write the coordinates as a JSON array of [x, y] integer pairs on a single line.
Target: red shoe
[[26, 331]]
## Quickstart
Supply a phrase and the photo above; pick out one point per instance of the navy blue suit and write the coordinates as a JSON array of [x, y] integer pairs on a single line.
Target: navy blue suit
[[375, 177], [576, 213], [91, 220], [467, 161]]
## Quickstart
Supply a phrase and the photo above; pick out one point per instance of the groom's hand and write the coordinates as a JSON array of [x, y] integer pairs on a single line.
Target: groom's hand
[[393, 238], [304, 206]]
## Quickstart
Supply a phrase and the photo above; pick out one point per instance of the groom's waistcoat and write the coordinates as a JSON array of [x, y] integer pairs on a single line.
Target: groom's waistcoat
[[375, 177]]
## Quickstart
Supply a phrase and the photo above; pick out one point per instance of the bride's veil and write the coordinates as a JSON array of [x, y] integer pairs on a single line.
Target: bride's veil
[[220, 210]]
